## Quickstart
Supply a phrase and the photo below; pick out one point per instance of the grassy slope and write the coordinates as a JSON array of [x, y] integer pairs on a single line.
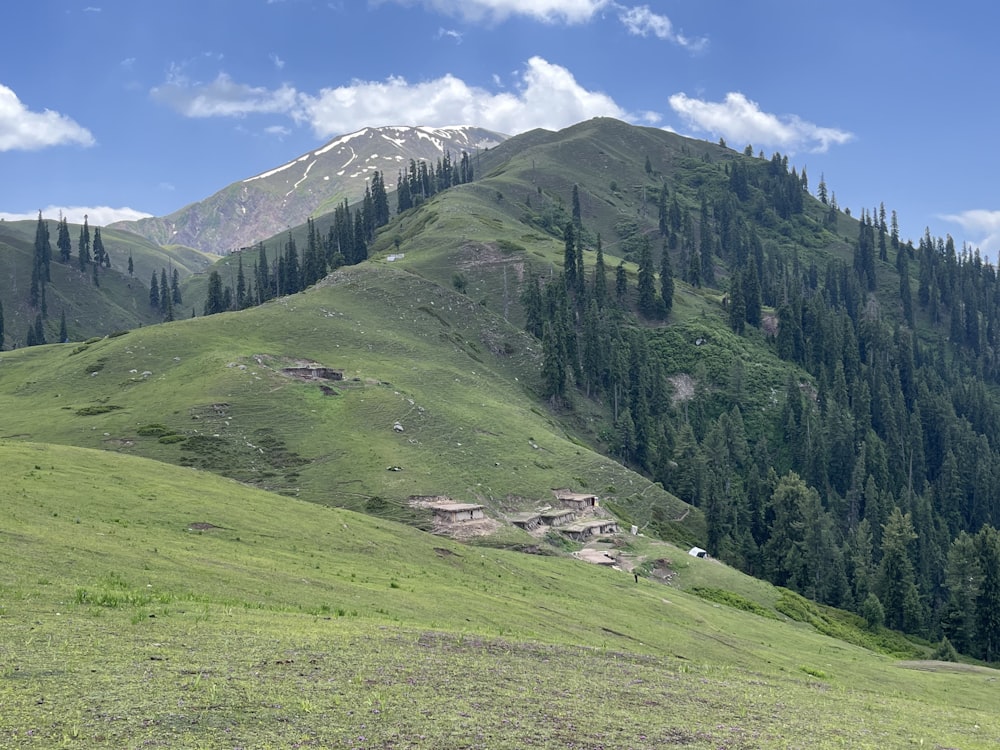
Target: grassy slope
[[450, 372], [293, 624], [119, 303]]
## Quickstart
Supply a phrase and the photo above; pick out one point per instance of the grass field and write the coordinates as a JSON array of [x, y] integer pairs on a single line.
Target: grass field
[[146, 605]]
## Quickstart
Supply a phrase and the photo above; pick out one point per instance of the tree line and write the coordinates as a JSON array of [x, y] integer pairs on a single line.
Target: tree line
[[872, 486]]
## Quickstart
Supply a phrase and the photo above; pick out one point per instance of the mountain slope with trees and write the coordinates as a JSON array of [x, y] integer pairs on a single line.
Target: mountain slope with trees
[[245, 212], [822, 391]]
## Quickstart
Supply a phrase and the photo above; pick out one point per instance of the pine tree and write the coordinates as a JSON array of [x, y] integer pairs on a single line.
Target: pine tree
[[43, 250], [131, 265], [100, 254], [895, 582], [621, 284], [83, 246], [1, 325], [175, 286], [39, 330], [737, 305], [577, 214], [242, 300], [666, 280], [553, 364], [154, 292], [164, 290], [600, 277], [63, 241], [569, 256], [63, 334], [531, 301], [646, 282], [988, 597], [215, 303]]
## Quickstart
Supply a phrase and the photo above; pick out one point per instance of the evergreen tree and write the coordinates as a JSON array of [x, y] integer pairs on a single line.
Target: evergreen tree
[[666, 280], [83, 245], [43, 250], [646, 282], [600, 277], [154, 292], [963, 578], [531, 301], [63, 241], [39, 331], [100, 254], [1, 325], [896, 583], [553, 364], [988, 597], [63, 334], [242, 300], [621, 283], [164, 290], [569, 256], [215, 303], [737, 305], [175, 285], [577, 214], [131, 265]]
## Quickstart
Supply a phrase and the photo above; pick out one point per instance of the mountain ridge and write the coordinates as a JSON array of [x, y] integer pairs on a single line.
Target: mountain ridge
[[260, 206]]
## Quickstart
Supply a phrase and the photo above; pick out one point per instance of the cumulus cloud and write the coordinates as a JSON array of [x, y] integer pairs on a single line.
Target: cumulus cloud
[[97, 216], [22, 129], [641, 21], [549, 11], [980, 223], [546, 96], [740, 121], [223, 97]]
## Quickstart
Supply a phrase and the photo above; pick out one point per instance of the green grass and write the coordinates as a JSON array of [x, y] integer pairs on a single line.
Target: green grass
[[145, 605], [458, 378]]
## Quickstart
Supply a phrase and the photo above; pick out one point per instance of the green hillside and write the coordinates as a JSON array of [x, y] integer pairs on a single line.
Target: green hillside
[[146, 605], [212, 393], [118, 302], [810, 398]]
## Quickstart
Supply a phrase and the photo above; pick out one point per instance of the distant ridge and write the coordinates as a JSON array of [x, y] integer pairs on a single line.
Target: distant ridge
[[261, 206]]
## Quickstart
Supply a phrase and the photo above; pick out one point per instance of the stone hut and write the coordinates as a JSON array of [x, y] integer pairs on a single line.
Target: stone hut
[[583, 530], [578, 501], [458, 512], [527, 521], [557, 518]]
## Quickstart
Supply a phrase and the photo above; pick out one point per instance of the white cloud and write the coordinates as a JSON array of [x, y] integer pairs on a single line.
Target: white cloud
[[276, 61], [279, 130], [97, 216], [549, 11], [223, 97], [451, 34], [543, 95], [546, 96], [980, 223], [740, 121], [22, 129], [641, 21]]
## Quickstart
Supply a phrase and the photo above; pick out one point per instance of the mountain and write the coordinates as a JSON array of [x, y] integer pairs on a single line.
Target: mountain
[[266, 204], [803, 393]]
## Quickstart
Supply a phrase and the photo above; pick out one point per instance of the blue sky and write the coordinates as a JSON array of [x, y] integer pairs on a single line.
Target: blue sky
[[123, 107]]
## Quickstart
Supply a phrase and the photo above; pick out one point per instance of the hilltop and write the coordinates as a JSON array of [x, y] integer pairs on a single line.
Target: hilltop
[[257, 207]]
